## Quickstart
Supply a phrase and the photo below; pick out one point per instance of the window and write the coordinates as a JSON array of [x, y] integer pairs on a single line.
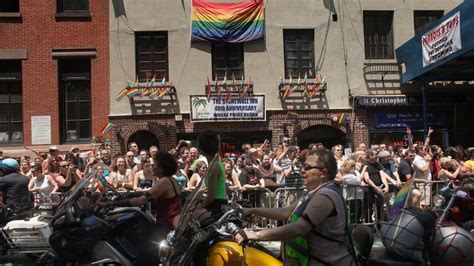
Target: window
[[73, 6], [299, 53], [10, 6], [378, 34], [425, 18], [11, 102], [75, 93], [152, 55], [227, 59]]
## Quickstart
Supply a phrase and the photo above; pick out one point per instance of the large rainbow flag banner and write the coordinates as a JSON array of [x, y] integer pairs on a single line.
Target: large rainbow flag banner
[[401, 199], [227, 22]]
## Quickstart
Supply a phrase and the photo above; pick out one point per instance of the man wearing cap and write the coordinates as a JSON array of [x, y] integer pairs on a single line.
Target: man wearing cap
[[14, 186]]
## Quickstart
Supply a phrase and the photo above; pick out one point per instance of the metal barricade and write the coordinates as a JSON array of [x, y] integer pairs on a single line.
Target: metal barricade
[[259, 198], [283, 197], [359, 204]]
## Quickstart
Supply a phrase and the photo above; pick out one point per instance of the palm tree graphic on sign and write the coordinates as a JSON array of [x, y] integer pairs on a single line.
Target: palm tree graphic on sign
[[198, 101]]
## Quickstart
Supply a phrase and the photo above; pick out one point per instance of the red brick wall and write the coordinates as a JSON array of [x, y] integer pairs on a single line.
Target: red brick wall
[[39, 32]]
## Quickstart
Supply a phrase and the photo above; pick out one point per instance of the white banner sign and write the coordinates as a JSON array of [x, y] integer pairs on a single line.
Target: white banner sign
[[40, 130], [442, 41], [220, 109]]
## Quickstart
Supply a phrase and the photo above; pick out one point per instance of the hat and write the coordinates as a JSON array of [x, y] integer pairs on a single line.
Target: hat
[[53, 148], [383, 153], [9, 163], [248, 161], [72, 148], [252, 150], [292, 149]]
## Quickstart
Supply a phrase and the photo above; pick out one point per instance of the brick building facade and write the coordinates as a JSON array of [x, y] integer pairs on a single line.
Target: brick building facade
[[59, 51]]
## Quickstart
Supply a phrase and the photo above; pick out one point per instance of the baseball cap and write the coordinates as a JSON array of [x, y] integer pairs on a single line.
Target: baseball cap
[[53, 148], [9, 163]]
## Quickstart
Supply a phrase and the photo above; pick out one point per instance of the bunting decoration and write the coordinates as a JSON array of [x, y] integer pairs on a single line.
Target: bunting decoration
[[106, 128], [308, 87], [227, 22], [150, 88], [228, 87]]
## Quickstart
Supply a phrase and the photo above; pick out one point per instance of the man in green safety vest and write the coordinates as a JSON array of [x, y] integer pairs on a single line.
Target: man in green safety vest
[[317, 232]]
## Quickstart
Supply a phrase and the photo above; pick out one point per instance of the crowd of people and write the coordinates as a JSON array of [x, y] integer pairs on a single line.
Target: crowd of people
[[368, 176]]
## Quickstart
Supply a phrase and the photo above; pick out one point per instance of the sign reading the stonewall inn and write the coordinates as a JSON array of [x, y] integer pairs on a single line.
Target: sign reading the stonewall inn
[[250, 108], [227, 22]]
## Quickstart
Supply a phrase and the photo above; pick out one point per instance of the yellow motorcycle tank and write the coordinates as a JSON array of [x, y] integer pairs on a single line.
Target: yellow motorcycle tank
[[230, 253]]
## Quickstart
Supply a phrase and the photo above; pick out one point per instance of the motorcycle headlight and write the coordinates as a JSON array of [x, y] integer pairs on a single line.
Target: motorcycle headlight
[[164, 249], [438, 201]]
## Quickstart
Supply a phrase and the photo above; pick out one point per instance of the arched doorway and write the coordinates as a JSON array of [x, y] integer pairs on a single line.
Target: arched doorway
[[144, 139], [327, 135]]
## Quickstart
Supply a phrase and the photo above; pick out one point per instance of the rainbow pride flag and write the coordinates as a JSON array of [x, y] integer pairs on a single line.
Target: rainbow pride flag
[[227, 22], [107, 128], [401, 199], [102, 182]]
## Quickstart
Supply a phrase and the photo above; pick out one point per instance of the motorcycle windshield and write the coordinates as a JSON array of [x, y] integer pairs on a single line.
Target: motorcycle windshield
[[75, 192], [192, 201]]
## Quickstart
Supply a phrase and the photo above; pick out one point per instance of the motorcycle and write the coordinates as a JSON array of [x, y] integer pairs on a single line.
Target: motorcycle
[[85, 232], [27, 232], [184, 246], [455, 205]]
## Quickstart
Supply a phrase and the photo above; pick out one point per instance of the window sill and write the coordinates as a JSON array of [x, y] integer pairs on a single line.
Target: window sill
[[74, 15], [10, 15], [79, 141], [380, 61]]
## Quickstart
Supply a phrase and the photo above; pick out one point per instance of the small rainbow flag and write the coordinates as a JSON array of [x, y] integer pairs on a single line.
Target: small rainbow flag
[[154, 92], [162, 92], [132, 92], [208, 82], [227, 22], [102, 182], [121, 94], [107, 128], [292, 115], [401, 199], [342, 118]]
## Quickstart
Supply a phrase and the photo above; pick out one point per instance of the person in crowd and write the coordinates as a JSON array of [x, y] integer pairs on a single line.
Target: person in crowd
[[362, 147], [421, 165], [289, 164], [470, 163], [316, 234], [90, 162], [268, 174], [405, 169], [53, 153], [153, 152], [390, 169], [232, 181], [121, 177], [144, 179], [38, 160], [376, 179], [239, 165], [74, 161], [25, 168], [448, 169], [197, 176], [338, 152], [130, 160], [435, 167], [254, 156], [184, 160], [105, 157], [42, 184], [67, 177], [246, 147], [353, 188], [359, 158], [144, 155], [53, 168], [250, 180], [14, 186]]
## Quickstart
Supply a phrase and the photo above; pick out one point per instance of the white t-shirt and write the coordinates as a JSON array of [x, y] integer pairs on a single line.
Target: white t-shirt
[[353, 190], [418, 163]]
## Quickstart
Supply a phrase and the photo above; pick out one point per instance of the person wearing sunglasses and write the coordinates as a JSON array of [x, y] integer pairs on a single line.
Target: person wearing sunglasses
[[316, 233]]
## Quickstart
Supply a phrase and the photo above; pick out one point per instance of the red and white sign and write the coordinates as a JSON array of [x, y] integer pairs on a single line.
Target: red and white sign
[[442, 41]]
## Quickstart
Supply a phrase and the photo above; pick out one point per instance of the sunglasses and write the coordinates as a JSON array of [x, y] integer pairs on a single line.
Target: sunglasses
[[308, 167]]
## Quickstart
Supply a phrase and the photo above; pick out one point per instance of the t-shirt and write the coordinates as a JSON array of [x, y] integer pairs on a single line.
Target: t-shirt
[[469, 164], [404, 169], [252, 178], [418, 163], [373, 169]]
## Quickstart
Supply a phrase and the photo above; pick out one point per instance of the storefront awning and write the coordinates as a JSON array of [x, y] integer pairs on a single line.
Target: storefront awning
[[443, 52]]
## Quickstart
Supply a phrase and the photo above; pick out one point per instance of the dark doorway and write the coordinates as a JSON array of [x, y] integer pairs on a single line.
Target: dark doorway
[[327, 135], [144, 139], [232, 141]]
